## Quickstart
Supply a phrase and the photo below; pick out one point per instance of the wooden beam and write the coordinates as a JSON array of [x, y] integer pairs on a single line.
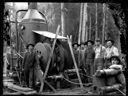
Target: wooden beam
[[50, 86], [70, 46], [49, 60]]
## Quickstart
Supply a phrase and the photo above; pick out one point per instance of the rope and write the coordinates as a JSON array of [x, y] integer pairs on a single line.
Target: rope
[[121, 92], [87, 76], [19, 55]]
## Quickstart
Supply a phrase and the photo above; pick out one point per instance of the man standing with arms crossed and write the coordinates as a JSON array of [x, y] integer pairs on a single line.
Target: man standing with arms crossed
[[111, 50]]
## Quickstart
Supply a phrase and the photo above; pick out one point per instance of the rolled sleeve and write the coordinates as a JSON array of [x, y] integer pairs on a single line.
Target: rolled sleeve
[[115, 51]]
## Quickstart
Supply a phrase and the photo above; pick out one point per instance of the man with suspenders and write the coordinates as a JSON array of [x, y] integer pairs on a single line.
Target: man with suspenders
[[99, 55]]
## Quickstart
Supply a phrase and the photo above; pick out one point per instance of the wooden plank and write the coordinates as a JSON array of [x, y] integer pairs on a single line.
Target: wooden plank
[[50, 86], [49, 60], [22, 92], [69, 42], [13, 86], [9, 93]]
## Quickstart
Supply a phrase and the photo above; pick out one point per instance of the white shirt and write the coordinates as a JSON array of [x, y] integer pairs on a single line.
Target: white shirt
[[115, 66], [99, 51], [113, 51]]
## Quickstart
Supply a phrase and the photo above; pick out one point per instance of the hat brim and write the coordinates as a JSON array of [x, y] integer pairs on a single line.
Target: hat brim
[[75, 44], [90, 42], [29, 45], [111, 41]]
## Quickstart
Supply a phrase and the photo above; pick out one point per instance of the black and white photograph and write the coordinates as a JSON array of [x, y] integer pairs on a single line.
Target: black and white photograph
[[64, 48]]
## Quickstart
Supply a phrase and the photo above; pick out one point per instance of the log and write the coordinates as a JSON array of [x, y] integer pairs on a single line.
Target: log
[[23, 90], [107, 72], [69, 42], [113, 88]]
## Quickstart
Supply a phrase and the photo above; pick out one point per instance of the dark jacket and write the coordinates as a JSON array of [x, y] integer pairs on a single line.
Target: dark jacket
[[89, 55], [28, 61]]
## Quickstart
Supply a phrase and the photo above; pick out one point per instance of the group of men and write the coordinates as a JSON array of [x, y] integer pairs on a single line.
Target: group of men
[[94, 56], [89, 55]]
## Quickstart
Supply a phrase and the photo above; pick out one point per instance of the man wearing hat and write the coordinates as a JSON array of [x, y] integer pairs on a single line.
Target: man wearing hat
[[112, 77], [89, 59], [99, 57], [111, 50], [28, 65]]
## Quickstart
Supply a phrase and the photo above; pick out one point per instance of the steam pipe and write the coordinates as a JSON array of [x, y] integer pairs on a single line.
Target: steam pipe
[[17, 35]]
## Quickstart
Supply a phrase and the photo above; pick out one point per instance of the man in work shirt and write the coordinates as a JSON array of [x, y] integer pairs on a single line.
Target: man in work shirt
[[89, 59], [99, 55], [111, 50]]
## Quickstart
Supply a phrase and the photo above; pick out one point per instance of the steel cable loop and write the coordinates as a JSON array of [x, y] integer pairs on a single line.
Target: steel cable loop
[[74, 82], [90, 83], [87, 76]]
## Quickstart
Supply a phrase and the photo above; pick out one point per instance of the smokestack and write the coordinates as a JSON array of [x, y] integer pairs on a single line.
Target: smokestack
[[33, 13], [32, 5]]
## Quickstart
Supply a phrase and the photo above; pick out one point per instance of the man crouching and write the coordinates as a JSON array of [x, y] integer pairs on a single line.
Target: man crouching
[[111, 79]]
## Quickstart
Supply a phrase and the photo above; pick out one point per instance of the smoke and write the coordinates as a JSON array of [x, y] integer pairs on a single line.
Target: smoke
[[21, 5]]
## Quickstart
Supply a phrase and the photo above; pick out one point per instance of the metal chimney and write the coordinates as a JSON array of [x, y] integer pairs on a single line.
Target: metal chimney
[[33, 20], [32, 5], [33, 13]]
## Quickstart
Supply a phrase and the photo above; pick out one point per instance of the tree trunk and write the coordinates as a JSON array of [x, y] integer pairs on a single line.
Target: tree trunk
[[96, 34], [90, 28], [62, 19], [84, 22], [80, 23], [86, 27], [106, 23], [86, 33], [103, 28]]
